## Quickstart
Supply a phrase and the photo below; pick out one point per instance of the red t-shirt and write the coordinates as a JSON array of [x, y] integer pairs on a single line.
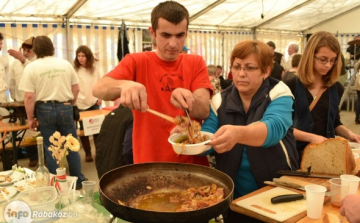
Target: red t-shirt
[[150, 133]]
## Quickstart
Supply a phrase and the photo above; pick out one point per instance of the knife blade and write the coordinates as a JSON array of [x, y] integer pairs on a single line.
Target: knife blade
[[302, 174]]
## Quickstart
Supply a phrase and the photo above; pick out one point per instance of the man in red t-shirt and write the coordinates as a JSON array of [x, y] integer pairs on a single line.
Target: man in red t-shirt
[[165, 81]]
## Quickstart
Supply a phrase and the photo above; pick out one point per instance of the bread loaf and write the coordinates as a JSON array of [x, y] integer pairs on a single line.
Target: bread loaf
[[330, 218], [330, 157]]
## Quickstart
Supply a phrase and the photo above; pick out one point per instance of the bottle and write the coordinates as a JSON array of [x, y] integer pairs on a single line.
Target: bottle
[[42, 174]]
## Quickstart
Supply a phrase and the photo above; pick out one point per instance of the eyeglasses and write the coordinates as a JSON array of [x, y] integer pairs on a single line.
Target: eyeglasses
[[246, 69], [325, 61]]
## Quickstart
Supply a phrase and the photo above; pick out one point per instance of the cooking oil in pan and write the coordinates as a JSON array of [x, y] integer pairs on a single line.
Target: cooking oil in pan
[[157, 202]]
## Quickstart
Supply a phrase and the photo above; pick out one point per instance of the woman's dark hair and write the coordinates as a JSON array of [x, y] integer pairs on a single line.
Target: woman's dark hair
[[43, 47], [89, 65]]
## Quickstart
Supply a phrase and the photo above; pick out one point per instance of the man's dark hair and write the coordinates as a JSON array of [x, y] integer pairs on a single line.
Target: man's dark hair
[[271, 44], [296, 60], [171, 11], [1, 36], [43, 47], [219, 67]]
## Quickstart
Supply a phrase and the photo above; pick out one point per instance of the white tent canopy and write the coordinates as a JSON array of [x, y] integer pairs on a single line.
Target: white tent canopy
[[215, 26], [294, 15]]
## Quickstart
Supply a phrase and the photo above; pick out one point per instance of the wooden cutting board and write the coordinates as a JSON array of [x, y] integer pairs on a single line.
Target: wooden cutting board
[[258, 205], [303, 181]]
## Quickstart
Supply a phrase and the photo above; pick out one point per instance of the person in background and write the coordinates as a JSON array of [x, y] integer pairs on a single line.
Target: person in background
[[292, 71], [215, 81], [350, 208], [88, 75], [250, 135], [317, 93], [23, 57], [277, 71], [219, 71], [357, 104], [51, 86], [292, 50], [165, 80], [277, 57], [185, 50], [230, 76], [4, 64]]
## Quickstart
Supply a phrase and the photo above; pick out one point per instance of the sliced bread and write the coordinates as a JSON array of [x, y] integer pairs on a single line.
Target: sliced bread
[[330, 157], [330, 218]]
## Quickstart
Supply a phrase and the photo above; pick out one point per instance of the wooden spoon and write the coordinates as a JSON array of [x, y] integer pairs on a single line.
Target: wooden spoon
[[161, 115]]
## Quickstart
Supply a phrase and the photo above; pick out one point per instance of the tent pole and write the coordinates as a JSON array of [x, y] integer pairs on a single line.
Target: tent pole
[[68, 45]]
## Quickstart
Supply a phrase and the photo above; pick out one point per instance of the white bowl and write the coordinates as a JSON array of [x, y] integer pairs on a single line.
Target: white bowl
[[355, 147], [189, 149]]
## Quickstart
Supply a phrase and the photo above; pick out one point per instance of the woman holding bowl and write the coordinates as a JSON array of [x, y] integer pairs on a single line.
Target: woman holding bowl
[[252, 122]]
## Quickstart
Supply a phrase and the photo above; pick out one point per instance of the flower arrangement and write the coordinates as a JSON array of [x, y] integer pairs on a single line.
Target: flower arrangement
[[60, 146]]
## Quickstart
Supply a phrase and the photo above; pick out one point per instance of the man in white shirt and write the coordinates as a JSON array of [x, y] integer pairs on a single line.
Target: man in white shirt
[[3, 77], [292, 50], [23, 57]]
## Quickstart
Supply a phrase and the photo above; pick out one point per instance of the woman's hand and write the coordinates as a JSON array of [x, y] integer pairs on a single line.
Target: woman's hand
[[225, 138], [316, 138], [354, 137]]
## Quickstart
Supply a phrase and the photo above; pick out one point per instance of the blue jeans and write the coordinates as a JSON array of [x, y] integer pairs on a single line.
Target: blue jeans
[[58, 117]]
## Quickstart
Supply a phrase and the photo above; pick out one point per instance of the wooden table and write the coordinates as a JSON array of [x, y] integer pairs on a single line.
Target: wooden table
[[16, 130], [301, 218]]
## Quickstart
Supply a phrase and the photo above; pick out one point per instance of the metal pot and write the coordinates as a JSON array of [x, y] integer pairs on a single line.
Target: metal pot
[[125, 183]]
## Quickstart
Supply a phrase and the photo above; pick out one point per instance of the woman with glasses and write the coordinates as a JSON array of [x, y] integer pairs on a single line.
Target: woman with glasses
[[252, 123], [317, 93]]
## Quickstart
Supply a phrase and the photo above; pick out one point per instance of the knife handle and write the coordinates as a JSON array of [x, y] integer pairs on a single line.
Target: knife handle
[[286, 198]]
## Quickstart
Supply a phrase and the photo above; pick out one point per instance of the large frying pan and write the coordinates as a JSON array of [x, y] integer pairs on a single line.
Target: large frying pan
[[125, 183]]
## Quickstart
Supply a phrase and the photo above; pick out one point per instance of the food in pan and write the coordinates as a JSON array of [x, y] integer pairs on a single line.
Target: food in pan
[[191, 132], [178, 201], [330, 157]]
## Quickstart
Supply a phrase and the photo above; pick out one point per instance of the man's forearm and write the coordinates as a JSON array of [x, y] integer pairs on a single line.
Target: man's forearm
[[29, 103], [108, 88]]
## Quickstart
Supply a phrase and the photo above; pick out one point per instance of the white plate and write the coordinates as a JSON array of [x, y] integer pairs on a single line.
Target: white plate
[[15, 176], [355, 147], [26, 184], [9, 191], [189, 149]]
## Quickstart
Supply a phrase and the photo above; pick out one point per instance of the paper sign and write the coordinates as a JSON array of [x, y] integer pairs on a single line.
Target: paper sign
[[92, 124]]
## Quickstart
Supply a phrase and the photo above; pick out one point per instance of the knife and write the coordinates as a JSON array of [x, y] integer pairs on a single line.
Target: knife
[[287, 198], [302, 174], [291, 197]]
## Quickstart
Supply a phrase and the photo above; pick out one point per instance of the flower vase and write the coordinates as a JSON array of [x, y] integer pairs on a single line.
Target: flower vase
[[59, 180]]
